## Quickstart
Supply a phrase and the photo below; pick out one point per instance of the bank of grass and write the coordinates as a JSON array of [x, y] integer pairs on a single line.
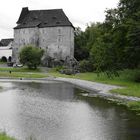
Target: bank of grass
[[18, 69], [133, 105], [3, 136], [126, 80], [22, 75], [23, 72]]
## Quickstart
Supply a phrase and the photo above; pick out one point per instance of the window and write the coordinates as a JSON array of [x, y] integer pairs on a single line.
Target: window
[[60, 38]]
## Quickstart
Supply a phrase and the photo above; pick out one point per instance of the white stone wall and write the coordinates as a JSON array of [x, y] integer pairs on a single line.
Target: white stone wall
[[58, 42], [5, 52]]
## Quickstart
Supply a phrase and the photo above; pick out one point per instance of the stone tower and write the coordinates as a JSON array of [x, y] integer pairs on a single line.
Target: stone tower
[[50, 30]]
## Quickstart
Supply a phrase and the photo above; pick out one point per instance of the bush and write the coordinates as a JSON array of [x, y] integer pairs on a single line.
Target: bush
[[58, 68], [31, 56], [86, 66], [132, 75], [137, 77]]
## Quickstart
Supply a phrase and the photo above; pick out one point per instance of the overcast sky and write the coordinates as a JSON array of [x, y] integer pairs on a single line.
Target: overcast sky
[[80, 12]]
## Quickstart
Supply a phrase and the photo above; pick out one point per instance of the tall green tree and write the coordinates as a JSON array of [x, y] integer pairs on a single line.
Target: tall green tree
[[81, 51], [85, 40], [119, 45], [114, 44]]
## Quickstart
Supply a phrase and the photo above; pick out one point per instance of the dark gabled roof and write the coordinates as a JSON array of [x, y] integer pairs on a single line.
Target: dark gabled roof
[[42, 18], [1, 44], [5, 42], [24, 12]]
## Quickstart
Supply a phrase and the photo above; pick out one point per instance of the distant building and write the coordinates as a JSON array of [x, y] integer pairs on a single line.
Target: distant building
[[50, 30], [6, 49]]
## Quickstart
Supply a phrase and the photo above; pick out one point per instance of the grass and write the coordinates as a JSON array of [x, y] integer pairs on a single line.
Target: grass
[[22, 69], [134, 105], [21, 73], [3, 62], [3, 136]]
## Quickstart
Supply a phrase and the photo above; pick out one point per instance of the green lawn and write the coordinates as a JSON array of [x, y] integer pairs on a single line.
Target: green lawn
[[21, 73], [3, 136], [22, 69]]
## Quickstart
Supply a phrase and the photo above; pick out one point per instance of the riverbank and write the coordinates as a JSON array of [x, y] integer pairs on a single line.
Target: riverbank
[[125, 92], [103, 91], [95, 90], [126, 79], [129, 87]]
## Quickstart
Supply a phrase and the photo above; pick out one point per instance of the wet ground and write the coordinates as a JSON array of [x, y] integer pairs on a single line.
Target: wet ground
[[56, 111]]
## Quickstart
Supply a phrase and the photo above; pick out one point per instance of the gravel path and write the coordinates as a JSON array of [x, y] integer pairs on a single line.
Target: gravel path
[[102, 89]]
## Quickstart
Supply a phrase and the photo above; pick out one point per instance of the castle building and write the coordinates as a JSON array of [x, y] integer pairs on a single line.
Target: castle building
[[50, 30]]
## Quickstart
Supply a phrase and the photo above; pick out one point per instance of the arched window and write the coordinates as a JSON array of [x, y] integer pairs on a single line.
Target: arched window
[[3, 59], [10, 58]]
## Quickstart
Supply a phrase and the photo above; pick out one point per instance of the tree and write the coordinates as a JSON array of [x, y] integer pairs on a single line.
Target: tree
[[85, 40], [118, 47], [114, 44], [81, 52], [31, 56]]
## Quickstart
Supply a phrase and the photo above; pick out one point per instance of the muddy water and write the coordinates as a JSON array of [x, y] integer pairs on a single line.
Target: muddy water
[[56, 111]]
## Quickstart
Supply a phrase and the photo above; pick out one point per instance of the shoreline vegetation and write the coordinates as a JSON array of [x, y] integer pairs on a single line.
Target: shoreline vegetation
[[3, 136], [126, 80]]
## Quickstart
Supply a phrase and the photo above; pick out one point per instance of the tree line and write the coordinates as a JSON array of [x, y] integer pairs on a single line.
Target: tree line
[[114, 44]]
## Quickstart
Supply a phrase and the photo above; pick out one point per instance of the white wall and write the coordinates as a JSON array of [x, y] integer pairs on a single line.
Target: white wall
[[6, 52], [58, 42]]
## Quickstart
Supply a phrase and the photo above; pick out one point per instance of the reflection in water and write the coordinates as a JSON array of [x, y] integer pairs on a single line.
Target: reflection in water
[[55, 111]]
